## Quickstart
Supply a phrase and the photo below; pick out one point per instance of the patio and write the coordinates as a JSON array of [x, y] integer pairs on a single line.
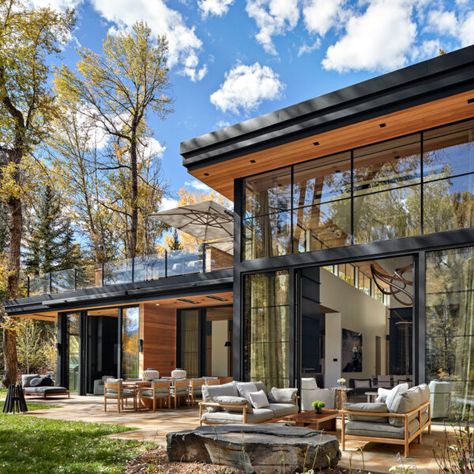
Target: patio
[[151, 426]]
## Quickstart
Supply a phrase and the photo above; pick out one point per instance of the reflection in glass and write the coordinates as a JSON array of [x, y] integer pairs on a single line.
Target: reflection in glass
[[266, 328], [130, 338], [450, 324], [268, 193], [448, 204], [190, 341], [267, 236], [387, 165], [322, 180], [74, 346], [326, 225], [448, 151], [388, 215]]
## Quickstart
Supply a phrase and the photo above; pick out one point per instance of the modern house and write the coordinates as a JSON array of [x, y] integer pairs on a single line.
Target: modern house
[[353, 248]]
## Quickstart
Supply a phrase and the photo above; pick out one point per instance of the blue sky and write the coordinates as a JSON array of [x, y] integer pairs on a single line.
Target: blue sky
[[234, 59]]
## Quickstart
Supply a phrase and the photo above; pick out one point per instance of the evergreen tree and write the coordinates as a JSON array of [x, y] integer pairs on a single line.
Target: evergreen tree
[[173, 241], [51, 244]]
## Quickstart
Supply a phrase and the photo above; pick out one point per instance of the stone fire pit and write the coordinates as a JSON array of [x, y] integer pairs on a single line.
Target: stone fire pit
[[262, 449]]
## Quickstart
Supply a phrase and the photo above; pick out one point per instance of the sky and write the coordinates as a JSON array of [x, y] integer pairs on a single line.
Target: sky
[[231, 60]]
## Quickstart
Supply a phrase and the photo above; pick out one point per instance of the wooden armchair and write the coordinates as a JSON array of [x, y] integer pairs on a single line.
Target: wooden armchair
[[159, 391], [195, 388], [180, 390], [114, 390], [404, 438]]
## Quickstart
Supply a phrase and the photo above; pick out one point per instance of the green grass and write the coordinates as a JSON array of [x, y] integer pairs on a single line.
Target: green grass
[[31, 405], [38, 445]]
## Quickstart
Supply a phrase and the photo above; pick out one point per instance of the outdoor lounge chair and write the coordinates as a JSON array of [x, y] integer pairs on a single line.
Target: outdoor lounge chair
[[44, 391], [400, 419]]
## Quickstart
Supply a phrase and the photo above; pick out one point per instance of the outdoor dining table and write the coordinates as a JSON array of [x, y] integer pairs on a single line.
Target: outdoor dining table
[[135, 385]]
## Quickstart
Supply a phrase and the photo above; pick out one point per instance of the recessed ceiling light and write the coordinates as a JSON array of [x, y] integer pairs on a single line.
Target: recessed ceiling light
[[206, 174], [382, 125], [253, 161], [157, 304], [316, 143], [471, 100]]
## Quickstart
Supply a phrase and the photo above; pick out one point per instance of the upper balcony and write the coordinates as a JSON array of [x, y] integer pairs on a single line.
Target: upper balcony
[[133, 270]]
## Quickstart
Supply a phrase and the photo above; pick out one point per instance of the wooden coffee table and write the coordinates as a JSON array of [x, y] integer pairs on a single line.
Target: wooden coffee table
[[325, 421]]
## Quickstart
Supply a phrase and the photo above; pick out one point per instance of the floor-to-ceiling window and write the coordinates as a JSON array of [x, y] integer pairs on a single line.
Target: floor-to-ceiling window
[[190, 341], [74, 350], [130, 342], [450, 325], [414, 185], [267, 328]]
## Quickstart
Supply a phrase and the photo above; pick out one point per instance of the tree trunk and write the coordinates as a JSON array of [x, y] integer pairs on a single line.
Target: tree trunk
[[132, 250], [13, 284]]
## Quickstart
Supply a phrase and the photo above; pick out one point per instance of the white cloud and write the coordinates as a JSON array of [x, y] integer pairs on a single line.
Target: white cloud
[[273, 17], [153, 147], [466, 31], [245, 87], [379, 39], [321, 15], [427, 50], [168, 203], [56, 4], [223, 124], [214, 7], [184, 45], [442, 22], [309, 48], [198, 185]]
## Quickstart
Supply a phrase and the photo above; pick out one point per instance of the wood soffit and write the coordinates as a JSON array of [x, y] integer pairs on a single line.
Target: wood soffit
[[220, 176]]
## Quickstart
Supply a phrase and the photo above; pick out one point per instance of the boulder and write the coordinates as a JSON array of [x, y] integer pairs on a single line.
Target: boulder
[[267, 448]]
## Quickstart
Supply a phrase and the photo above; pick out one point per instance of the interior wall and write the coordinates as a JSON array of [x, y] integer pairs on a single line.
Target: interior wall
[[158, 331], [359, 313], [332, 359]]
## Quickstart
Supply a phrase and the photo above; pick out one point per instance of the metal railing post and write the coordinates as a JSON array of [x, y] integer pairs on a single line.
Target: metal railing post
[[166, 263], [204, 258], [50, 282], [133, 269], [28, 285], [103, 273], [75, 278]]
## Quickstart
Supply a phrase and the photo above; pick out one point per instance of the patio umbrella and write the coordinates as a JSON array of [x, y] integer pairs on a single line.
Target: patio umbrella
[[207, 221]]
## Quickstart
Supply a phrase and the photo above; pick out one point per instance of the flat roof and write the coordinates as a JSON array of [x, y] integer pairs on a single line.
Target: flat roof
[[443, 76]]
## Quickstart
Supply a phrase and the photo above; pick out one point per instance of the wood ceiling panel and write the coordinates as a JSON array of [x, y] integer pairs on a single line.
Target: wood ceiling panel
[[440, 112]]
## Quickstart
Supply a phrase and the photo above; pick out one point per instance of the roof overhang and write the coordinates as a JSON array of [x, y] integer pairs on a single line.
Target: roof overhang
[[415, 98]]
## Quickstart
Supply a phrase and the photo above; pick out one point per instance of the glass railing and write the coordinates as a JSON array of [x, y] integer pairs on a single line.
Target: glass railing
[[139, 269]]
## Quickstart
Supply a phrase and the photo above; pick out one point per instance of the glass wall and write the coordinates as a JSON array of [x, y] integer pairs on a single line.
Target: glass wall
[[266, 328], [130, 342], [74, 350], [450, 326], [415, 185], [190, 341]]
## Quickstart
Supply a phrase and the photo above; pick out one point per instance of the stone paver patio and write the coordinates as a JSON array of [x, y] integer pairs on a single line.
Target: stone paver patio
[[154, 426]]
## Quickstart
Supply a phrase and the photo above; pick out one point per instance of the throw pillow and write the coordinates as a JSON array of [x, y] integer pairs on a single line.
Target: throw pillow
[[382, 394], [237, 401], [361, 383], [245, 388], [259, 399], [392, 396], [46, 381], [370, 408], [35, 382], [283, 395]]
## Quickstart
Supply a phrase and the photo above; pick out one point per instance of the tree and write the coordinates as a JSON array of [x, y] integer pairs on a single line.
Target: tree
[[173, 241], [116, 91], [51, 244], [27, 38]]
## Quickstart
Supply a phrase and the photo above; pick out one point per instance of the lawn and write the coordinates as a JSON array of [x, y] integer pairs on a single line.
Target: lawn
[[38, 445], [31, 405]]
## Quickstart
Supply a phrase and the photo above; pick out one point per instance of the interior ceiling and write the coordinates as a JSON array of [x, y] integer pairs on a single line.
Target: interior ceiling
[[212, 299], [220, 176]]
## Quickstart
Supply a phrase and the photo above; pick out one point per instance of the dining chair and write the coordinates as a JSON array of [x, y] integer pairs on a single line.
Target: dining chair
[[224, 380], [195, 389], [114, 390], [159, 391], [180, 389], [384, 381]]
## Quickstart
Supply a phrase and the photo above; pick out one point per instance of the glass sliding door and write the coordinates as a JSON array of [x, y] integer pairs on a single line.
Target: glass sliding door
[[219, 341], [190, 341], [74, 351], [267, 328], [130, 342], [450, 327]]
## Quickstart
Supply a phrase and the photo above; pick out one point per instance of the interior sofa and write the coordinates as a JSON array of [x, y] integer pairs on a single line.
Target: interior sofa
[[36, 385], [234, 403], [310, 392], [398, 416]]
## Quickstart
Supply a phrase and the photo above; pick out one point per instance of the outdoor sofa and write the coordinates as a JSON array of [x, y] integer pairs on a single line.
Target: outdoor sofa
[[36, 385], [245, 402], [398, 416]]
